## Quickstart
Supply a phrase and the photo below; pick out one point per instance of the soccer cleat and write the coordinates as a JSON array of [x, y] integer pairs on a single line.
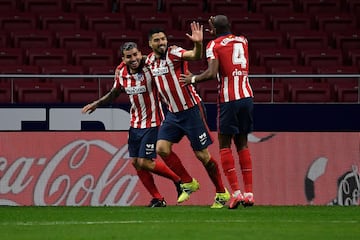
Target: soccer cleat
[[221, 199], [155, 202], [236, 200], [248, 199], [187, 189], [179, 189]]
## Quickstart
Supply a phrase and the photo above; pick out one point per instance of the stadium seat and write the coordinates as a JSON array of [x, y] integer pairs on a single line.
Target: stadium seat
[[258, 70], [293, 70], [322, 57], [177, 7], [60, 21], [330, 70], [289, 22], [80, 92], [77, 39], [42, 6], [102, 22], [353, 6], [183, 20], [249, 22], [311, 92], [264, 40], [277, 57], [89, 6], [32, 39], [32, 92], [5, 92], [115, 39], [268, 91], [307, 40], [144, 22], [353, 56], [11, 56], [228, 7], [347, 40], [347, 92], [93, 57], [320, 6], [209, 94], [64, 70], [328, 22], [178, 38], [47, 56], [17, 20], [129, 7], [8, 6], [22, 69], [273, 7]]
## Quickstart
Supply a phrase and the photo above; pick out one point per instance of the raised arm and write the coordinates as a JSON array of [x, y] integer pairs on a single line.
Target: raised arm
[[196, 37]]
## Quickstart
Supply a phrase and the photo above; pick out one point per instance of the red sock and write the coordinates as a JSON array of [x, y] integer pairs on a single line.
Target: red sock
[[162, 170], [246, 168], [174, 163], [228, 164], [147, 180], [212, 169]]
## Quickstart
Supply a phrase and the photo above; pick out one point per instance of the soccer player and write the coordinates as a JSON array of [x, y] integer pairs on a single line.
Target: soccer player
[[135, 79], [228, 60], [185, 115]]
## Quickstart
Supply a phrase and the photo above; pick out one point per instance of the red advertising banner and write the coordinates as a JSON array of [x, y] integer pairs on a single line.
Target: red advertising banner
[[93, 168]]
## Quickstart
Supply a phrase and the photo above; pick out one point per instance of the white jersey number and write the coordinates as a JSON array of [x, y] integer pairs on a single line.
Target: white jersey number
[[238, 56]]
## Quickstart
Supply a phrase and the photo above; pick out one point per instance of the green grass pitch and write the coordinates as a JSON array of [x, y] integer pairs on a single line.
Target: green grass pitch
[[180, 222]]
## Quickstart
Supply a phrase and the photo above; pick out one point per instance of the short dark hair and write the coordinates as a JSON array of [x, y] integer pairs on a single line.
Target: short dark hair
[[128, 46], [155, 30]]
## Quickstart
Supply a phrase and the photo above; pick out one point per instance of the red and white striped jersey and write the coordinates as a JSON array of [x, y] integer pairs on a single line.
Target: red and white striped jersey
[[146, 109], [166, 72], [232, 53]]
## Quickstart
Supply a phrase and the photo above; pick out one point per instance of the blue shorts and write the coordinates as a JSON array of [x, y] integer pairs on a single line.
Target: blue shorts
[[236, 117], [142, 142], [190, 123]]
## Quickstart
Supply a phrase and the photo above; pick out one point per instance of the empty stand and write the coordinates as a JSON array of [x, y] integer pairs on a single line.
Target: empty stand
[[320, 6], [35, 92], [102, 22], [277, 57], [229, 7], [22, 69], [17, 20], [115, 39], [310, 92], [63, 70], [268, 91], [273, 7], [47, 56], [7, 6], [209, 94], [354, 57], [77, 39], [258, 70], [347, 40], [293, 70], [335, 22], [32, 39], [181, 6], [80, 92], [264, 40], [11, 56], [307, 40], [249, 22], [93, 57], [144, 22], [347, 92], [60, 21], [289, 22], [130, 7], [183, 20], [322, 57], [338, 70], [178, 38], [4, 39], [42, 6], [89, 6]]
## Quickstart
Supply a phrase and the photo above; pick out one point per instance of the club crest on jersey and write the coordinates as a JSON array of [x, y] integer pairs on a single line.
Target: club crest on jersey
[[159, 71], [138, 77], [135, 90]]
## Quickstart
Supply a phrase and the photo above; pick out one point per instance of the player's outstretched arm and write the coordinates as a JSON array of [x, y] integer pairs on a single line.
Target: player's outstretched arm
[[196, 37]]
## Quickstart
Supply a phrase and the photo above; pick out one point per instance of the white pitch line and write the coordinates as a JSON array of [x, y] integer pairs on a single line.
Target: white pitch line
[[54, 223]]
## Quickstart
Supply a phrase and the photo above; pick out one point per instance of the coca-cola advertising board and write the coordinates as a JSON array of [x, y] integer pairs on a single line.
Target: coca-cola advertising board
[[93, 168]]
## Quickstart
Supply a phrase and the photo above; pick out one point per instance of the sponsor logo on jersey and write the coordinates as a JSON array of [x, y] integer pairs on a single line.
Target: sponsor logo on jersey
[[135, 90], [159, 71]]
